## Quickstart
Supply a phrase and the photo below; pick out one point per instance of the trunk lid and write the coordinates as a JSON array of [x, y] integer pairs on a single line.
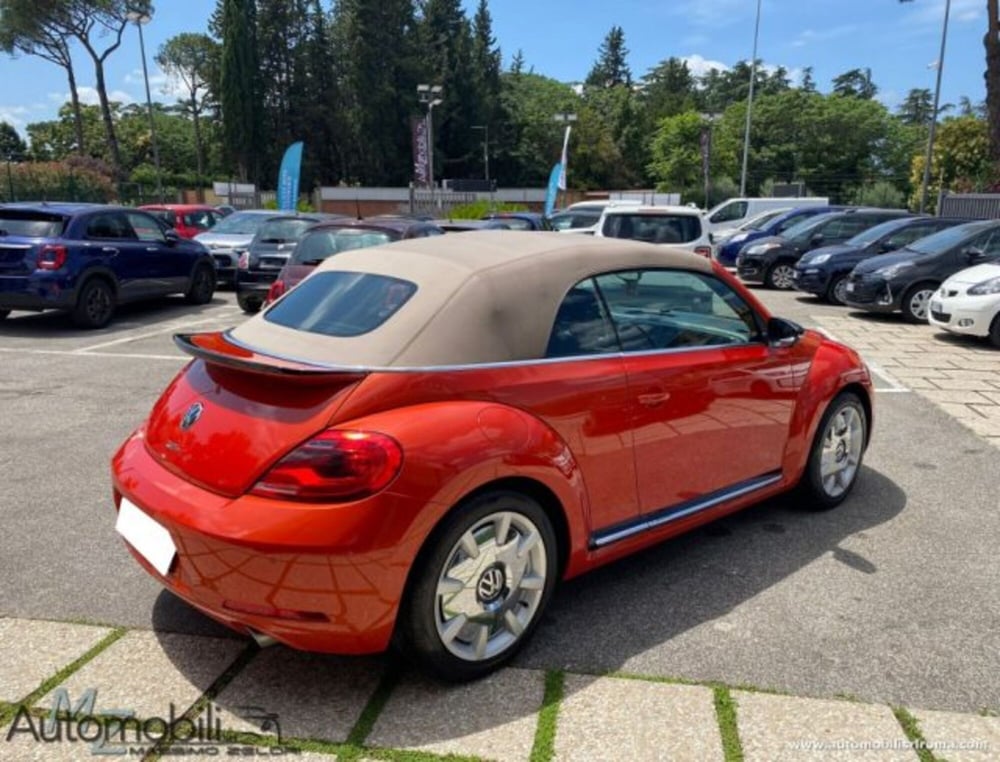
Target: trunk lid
[[18, 256], [232, 413]]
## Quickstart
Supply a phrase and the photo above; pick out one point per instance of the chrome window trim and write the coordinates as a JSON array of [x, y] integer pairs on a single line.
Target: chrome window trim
[[485, 365]]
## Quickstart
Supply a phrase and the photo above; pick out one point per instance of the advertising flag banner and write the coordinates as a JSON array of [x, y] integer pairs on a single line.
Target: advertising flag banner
[[553, 190], [288, 178], [564, 161]]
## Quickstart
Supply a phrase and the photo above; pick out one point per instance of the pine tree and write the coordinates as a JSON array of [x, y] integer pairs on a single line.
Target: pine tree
[[240, 92], [611, 67]]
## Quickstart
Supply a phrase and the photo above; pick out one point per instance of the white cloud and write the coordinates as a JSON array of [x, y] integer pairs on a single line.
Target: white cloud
[[14, 116], [931, 12], [88, 96], [159, 82], [699, 65], [811, 36]]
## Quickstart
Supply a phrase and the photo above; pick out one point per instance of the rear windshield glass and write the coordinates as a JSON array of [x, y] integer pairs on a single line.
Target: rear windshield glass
[[166, 215], [654, 228], [320, 244], [574, 220], [241, 223], [29, 225], [341, 303], [283, 231]]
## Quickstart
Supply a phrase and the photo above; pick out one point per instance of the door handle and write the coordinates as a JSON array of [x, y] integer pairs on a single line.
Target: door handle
[[653, 398], [109, 250], [152, 248]]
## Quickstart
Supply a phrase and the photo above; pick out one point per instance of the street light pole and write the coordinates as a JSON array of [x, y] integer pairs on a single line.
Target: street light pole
[[431, 95], [934, 114], [753, 78], [486, 148], [140, 18]]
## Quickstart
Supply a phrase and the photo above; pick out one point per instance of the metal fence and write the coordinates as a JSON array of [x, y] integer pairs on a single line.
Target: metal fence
[[983, 206]]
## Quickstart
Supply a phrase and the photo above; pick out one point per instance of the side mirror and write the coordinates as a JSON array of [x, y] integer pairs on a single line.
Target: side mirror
[[173, 237], [783, 333], [974, 254], [816, 240], [885, 247]]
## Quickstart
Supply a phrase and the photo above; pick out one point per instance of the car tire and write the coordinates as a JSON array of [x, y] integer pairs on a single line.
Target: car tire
[[837, 453], [837, 292], [916, 302], [465, 616], [95, 304], [202, 286], [995, 331], [780, 275], [249, 304]]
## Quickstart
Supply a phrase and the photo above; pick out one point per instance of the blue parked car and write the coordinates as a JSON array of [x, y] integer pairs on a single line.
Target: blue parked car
[[728, 252], [520, 220], [87, 259]]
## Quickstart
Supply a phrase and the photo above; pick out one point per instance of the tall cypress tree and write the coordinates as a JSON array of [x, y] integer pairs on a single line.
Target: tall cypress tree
[[239, 87]]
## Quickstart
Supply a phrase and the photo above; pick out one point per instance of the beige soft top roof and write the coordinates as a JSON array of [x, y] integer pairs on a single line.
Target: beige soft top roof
[[481, 297]]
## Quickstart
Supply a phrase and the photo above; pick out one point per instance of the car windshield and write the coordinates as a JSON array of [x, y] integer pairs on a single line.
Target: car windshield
[[574, 220], [344, 304], [165, 215], [240, 223], [758, 222], [320, 244], [654, 228], [30, 225], [947, 239], [283, 231], [804, 229], [877, 233]]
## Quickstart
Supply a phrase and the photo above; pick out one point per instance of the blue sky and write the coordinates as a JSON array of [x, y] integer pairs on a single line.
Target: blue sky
[[560, 39]]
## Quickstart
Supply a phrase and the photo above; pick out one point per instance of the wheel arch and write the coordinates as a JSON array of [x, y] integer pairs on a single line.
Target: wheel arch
[[97, 273]]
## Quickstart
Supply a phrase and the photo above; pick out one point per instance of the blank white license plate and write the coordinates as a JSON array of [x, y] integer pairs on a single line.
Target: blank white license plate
[[146, 535], [850, 288]]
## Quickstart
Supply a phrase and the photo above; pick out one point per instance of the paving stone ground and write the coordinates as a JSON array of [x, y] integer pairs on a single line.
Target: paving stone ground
[[320, 701], [958, 374]]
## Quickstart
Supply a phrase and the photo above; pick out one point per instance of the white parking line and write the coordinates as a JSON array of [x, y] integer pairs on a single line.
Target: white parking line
[[178, 326], [78, 353], [893, 384]]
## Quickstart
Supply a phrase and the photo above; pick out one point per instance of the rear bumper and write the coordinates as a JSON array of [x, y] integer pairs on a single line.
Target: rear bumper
[[329, 563], [255, 281], [38, 291]]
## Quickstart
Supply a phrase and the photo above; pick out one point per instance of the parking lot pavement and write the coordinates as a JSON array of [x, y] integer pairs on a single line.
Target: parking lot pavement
[[236, 701], [890, 599]]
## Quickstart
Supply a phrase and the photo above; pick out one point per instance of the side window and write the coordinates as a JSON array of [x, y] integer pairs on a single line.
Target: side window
[[989, 243], [582, 326], [109, 226], [736, 210], [908, 236], [675, 309], [200, 220], [782, 227], [145, 227]]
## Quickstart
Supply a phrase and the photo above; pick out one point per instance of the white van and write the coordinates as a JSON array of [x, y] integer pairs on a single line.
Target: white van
[[736, 211]]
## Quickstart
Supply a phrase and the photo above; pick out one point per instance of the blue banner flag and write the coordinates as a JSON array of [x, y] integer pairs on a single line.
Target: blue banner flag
[[553, 191], [288, 178]]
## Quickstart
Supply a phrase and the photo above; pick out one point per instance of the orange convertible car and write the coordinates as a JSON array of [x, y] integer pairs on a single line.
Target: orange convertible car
[[420, 439]]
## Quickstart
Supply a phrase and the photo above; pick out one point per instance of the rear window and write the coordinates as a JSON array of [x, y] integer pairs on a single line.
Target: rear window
[[341, 303], [653, 228], [241, 223], [283, 231], [30, 224], [320, 244]]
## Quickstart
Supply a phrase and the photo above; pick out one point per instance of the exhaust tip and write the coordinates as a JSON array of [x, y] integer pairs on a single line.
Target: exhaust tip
[[262, 640]]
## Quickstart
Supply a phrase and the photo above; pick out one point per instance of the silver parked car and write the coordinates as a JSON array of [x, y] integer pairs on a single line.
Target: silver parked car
[[231, 237]]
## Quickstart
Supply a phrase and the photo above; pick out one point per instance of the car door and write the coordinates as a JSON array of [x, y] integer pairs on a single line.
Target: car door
[[110, 243], [711, 400], [166, 272]]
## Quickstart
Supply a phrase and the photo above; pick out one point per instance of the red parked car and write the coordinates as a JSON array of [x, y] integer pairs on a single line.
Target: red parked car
[[326, 239], [421, 443], [187, 219]]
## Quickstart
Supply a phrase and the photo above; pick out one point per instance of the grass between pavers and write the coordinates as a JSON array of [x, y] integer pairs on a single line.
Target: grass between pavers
[[8, 713], [911, 727], [544, 746], [725, 715]]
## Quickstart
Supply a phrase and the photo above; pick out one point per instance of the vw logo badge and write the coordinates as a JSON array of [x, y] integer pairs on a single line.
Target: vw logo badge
[[191, 416], [490, 584]]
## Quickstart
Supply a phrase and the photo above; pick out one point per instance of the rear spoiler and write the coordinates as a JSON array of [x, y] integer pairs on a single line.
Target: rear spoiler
[[217, 349]]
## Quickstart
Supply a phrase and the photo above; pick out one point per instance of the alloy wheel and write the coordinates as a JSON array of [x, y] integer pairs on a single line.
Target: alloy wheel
[[98, 305], [491, 586], [919, 303], [782, 276], [843, 445]]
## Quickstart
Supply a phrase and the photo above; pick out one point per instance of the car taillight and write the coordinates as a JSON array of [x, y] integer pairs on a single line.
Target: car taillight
[[336, 466], [705, 251], [275, 292], [244, 263], [52, 257]]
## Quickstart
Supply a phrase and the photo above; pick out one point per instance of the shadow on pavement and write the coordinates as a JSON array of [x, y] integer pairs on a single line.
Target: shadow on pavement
[[596, 623]]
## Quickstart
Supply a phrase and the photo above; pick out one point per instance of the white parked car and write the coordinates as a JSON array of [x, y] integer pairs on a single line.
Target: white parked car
[[736, 211], [679, 226], [583, 217], [969, 303]]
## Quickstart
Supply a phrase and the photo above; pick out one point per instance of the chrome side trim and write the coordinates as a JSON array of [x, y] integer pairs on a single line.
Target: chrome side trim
[[667, 515], [485, 365]]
